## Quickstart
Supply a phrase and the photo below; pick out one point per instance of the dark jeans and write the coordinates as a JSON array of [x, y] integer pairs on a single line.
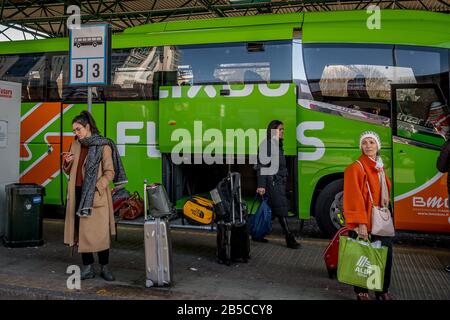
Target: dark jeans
[[385, 241], [103, 257], [88, 257]]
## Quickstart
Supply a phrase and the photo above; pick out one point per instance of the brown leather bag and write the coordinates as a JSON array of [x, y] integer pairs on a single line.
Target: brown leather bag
[[132, 208]]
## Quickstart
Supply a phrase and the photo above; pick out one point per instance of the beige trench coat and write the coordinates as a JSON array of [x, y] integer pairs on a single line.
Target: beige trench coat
[[95, 230]]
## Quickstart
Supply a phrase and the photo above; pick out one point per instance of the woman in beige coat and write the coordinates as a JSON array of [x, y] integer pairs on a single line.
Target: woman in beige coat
[[90, 219]]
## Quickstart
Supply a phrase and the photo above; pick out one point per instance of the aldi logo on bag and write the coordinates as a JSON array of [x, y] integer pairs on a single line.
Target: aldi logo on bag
[[363, 267]]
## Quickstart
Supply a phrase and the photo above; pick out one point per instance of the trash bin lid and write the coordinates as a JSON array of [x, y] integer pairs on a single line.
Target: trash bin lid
[[25, 189]]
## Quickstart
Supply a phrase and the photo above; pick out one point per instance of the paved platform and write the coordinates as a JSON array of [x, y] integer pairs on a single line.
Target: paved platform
[[274, 271]]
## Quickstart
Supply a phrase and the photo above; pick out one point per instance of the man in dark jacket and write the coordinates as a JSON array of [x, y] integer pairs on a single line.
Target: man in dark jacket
[[443, 166]]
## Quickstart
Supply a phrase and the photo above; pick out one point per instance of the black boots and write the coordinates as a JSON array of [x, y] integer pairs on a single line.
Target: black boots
[[106, 273], [290, 238], [291, 242], [88, 272]]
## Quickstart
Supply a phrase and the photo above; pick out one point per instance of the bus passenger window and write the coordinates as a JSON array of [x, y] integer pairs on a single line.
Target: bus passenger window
[[429, 65], [28, 70], [353, 76], [420, 110], [133, 73], [57, 66], [259, 62]]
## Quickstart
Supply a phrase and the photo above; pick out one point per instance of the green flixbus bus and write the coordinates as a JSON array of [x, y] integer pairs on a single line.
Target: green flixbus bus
[[326, 75]]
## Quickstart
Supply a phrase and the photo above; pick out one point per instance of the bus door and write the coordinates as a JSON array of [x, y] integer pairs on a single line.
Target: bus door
[[420, 123]]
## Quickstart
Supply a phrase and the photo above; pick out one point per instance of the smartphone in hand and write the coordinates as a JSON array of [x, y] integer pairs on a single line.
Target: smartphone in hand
[[67, 156]]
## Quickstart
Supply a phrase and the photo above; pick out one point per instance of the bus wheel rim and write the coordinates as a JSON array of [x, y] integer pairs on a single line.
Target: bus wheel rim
[[336, 217]]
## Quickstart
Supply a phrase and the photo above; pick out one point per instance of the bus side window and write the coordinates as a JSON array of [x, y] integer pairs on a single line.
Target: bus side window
[[420, 110], [349, 75], [30, 70], [428, 65], [227, 63], [57, 64], [133, 73]]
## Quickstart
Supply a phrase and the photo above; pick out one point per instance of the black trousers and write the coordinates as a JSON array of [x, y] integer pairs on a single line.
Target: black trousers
[[387, 242], [88, 257]]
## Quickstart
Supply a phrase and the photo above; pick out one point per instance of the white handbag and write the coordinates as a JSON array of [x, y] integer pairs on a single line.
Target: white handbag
[[382, 224]]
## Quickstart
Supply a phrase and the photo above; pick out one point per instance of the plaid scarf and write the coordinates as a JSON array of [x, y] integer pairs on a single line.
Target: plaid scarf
[[95, 144]]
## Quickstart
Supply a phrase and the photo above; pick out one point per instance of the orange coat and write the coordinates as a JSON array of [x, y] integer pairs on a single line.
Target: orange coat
[[357, 204]]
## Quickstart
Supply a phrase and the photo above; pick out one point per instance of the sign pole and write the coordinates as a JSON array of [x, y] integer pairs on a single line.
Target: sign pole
[[89, 99]]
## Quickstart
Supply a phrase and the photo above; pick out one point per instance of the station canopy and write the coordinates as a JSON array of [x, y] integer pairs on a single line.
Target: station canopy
[[46, 19]]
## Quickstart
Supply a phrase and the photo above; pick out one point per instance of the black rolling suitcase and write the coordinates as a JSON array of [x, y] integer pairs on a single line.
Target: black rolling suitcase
[[233, 242]]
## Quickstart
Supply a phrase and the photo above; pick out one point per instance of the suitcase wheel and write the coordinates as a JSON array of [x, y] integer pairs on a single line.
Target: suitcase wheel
[[149, 283], [225, 262]]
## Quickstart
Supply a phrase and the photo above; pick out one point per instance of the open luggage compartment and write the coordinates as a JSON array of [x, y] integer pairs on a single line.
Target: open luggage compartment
[[182, 181]]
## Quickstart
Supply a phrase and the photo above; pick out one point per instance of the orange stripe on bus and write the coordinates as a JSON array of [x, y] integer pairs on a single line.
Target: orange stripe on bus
[[38, 119], [49, 165]]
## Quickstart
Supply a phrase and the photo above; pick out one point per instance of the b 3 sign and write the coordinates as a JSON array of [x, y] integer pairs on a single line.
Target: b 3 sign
[[89, 54]]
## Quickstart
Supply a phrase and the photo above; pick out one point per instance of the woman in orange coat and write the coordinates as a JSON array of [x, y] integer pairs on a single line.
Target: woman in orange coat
[[369, 170]]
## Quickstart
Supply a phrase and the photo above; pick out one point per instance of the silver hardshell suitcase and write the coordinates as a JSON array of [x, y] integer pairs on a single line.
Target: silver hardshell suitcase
[[158, 249]]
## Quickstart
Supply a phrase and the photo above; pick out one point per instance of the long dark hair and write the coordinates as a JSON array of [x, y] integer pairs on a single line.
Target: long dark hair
[[274, 124], [85, 118]]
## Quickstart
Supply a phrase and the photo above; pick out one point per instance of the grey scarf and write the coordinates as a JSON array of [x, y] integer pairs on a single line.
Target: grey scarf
[[95, 144]]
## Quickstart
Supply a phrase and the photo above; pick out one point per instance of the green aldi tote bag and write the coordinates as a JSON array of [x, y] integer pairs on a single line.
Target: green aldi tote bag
[[361, 263]]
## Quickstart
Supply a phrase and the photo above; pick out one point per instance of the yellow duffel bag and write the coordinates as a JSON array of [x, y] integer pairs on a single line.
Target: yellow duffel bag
[[199, 210]]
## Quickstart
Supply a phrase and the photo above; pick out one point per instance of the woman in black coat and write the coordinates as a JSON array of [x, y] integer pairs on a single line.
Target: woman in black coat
[[272, 178]]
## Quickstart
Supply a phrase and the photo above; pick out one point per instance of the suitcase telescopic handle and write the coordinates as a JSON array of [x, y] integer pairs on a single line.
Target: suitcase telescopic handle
[[236, 193], [233, 218], [240, 201], [145, 199]]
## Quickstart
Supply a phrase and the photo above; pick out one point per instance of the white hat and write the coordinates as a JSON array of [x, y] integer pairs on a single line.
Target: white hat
[[370, 134]]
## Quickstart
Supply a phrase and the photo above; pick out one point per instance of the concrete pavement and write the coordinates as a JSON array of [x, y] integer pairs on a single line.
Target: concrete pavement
[[274, 271]]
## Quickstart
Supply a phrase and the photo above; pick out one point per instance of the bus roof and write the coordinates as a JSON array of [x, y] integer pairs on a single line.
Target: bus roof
[[409, 27]]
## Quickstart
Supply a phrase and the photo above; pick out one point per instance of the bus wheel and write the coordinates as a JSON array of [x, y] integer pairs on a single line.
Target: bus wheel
[[328, 209]]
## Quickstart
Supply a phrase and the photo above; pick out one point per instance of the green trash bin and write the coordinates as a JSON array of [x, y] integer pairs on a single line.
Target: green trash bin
[[24, 212]]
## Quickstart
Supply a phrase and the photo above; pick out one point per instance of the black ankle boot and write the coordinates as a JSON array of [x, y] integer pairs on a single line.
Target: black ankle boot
[[291, 242], [107, 274], [88, 272]]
